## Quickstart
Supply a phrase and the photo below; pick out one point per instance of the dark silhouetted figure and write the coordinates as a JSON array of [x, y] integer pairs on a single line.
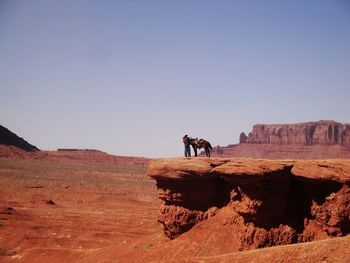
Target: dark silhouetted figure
[[187, 141]]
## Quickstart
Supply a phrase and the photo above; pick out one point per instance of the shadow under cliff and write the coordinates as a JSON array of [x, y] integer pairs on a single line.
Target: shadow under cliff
[[270, 201]]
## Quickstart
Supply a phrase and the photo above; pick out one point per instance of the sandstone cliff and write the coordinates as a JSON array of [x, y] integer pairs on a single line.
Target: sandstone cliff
[[311, 140], [310, 133], [246, 203]]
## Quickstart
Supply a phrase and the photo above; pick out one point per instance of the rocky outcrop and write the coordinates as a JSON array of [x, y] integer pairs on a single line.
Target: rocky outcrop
[[243, 138], [253, 203], [309, 133], [9, 138], [311, 140]]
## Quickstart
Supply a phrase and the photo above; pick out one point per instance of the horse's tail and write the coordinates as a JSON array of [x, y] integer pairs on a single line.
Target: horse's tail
[[209, 145]]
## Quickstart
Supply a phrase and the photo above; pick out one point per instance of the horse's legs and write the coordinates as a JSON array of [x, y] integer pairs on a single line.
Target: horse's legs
[[194, 150], [207, 152]]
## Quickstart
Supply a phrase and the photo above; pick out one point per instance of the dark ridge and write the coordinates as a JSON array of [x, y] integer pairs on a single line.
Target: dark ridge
[[77, 150], [9, 138]]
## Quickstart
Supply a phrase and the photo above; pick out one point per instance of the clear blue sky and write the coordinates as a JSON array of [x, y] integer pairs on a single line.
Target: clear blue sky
[[132, 77]]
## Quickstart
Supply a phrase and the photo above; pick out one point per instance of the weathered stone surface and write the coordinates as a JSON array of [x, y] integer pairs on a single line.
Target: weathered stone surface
[[254, 167], [182, 168], [309, 133], [253, 203], [309, 141], [333, 170], [333, 215]]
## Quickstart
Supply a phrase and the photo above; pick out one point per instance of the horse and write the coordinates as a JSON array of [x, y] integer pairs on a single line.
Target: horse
[[194, 144], [201, 143], [206, 145]]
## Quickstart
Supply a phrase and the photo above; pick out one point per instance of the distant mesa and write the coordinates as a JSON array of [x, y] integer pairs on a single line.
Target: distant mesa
[[309, 133], [9, 138], [77, 150], [310, 140]]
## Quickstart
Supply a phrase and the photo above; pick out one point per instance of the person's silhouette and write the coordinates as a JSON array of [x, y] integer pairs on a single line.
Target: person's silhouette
[[187, 141]]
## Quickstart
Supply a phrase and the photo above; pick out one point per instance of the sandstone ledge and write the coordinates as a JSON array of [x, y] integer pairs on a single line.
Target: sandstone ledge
[[262, 202], [337, 170]]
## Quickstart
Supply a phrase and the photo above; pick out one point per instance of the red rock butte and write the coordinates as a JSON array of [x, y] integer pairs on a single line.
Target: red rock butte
[[310, 140], [309, 133]]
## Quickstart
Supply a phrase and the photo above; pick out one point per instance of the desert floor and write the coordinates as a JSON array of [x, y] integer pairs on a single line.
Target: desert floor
[[75, 205]]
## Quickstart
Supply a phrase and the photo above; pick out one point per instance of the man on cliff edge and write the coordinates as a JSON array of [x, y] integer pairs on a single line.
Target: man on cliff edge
[[187, 141]]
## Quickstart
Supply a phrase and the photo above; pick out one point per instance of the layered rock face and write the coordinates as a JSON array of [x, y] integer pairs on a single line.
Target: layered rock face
[[253, 203], [311, 140], [310, 133]]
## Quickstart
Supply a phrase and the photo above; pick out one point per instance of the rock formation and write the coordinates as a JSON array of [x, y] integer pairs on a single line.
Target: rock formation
[[243, 138], [309, 133], [311, 140], [9, 138], [253, 203]]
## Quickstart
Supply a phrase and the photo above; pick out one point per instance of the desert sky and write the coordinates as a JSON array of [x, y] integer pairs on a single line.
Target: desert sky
[[132, 77]]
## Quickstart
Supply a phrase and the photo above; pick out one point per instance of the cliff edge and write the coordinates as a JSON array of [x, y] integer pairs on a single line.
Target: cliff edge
[[250, 203]]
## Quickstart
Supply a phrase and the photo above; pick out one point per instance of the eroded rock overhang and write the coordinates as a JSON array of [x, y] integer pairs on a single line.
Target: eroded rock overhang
[[269, 202]]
